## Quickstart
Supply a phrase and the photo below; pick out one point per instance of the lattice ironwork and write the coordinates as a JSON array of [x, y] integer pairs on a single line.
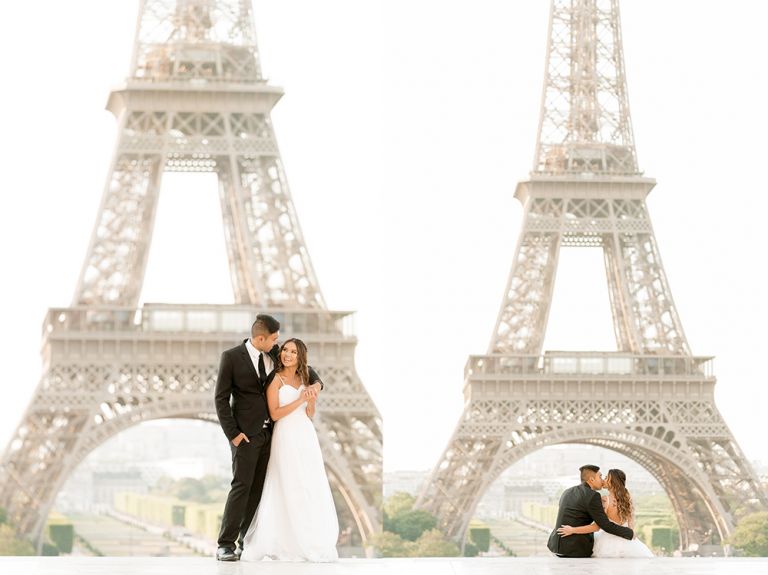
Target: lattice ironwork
[[652, 400], [585, 124], [269, 263], [645, 317], [195, 102], [181, 40]]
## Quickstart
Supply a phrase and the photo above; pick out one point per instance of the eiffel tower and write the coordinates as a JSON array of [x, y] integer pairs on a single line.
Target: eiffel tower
[[651, 400], [195, 101]]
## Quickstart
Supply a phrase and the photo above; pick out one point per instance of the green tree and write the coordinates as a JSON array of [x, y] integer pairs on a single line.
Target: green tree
[[216, 488], [164, 485], [190, 489], [410, 532], [411, 524], [433, 543], [401, 518], [398, 503], [480, 536], [390, 544], [470, 549], [11, 545], [63, 536], [215, 482], [751, 535]]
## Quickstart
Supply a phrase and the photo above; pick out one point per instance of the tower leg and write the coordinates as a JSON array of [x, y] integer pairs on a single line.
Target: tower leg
[[522, 320], [113, 272], [644, 312], [273, 264]]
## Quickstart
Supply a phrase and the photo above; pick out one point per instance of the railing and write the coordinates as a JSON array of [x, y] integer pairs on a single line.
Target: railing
[[189, 144], [176, 318], [196, 81], [589, 363]]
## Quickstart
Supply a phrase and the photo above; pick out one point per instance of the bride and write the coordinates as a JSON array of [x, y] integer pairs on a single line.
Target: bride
[[296, 519], [619, 509]]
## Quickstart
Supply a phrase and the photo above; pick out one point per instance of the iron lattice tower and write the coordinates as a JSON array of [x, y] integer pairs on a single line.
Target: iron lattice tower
[[195, 101], [652, 400]]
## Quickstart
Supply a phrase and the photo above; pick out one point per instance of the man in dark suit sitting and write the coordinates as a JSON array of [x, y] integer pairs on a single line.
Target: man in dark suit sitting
[[581, 505]]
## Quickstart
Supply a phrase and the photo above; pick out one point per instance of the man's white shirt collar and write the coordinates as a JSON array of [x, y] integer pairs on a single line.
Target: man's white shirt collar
[[254, 353], [251, 348]]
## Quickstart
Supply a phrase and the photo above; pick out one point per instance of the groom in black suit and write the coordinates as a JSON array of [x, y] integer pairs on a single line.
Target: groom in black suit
[[582, 505], [241, 405]]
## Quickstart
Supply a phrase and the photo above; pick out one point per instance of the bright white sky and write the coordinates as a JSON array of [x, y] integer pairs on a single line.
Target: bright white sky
[[405, 126]]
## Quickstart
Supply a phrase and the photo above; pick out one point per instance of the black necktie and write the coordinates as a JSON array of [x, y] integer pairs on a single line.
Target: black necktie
[[262, 369]]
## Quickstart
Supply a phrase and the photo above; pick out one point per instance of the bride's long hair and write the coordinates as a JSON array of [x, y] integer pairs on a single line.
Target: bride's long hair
[[618, 479], [301, 359]]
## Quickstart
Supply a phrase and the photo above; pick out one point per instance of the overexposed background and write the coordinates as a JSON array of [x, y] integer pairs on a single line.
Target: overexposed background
[[405, 126]]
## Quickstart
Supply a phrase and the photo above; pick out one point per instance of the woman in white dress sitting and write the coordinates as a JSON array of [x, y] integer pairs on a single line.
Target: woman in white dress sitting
[[619, 509], [296, 519]]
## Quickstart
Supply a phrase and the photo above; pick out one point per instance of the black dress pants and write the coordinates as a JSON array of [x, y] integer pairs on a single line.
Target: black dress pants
[[249, 467]]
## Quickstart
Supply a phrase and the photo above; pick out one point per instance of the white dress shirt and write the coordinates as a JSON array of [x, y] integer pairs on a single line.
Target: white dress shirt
[[254, 353], [268, 365]]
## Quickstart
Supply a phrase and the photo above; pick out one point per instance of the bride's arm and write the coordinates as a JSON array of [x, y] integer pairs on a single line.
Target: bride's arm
[[566, 530], [311, 407], [276, 411]]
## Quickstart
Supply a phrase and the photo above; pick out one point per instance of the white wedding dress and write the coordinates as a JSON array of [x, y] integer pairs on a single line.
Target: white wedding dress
[[607, 545], [296, 519]]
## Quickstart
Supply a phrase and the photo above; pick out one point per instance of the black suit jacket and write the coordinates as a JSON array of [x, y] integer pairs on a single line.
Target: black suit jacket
[[581, 505], [241, 402]]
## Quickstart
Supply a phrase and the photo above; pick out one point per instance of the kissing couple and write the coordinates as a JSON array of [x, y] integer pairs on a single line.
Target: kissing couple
[[589, 525], [280, 504]]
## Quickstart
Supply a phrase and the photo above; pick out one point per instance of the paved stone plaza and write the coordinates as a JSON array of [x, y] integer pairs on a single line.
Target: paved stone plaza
[[483, 566]]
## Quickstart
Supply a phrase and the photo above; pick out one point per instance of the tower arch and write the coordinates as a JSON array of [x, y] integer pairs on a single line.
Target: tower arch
[[653, 454]]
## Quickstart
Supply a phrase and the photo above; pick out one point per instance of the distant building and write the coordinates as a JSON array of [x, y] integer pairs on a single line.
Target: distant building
[[517, 493], [134, 460], [107, 483], [405, 481], [92, 488]]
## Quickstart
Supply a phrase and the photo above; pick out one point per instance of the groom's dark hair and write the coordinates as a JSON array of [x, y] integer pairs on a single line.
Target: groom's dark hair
[[587, 471], [264, 324]]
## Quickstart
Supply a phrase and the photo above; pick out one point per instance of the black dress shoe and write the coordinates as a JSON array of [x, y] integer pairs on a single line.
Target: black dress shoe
[[226, 554]]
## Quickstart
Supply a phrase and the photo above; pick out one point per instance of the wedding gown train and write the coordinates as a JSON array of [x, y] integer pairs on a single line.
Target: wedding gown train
[[607, 545]]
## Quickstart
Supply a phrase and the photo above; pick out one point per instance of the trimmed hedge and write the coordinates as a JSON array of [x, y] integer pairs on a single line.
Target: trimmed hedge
[[481, 538], [63, 535]]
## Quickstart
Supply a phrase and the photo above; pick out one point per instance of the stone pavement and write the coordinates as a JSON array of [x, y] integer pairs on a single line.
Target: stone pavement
[[462, 566]]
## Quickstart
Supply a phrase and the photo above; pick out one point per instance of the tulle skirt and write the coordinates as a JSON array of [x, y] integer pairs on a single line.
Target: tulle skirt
[[296, 519], [607, 545]]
